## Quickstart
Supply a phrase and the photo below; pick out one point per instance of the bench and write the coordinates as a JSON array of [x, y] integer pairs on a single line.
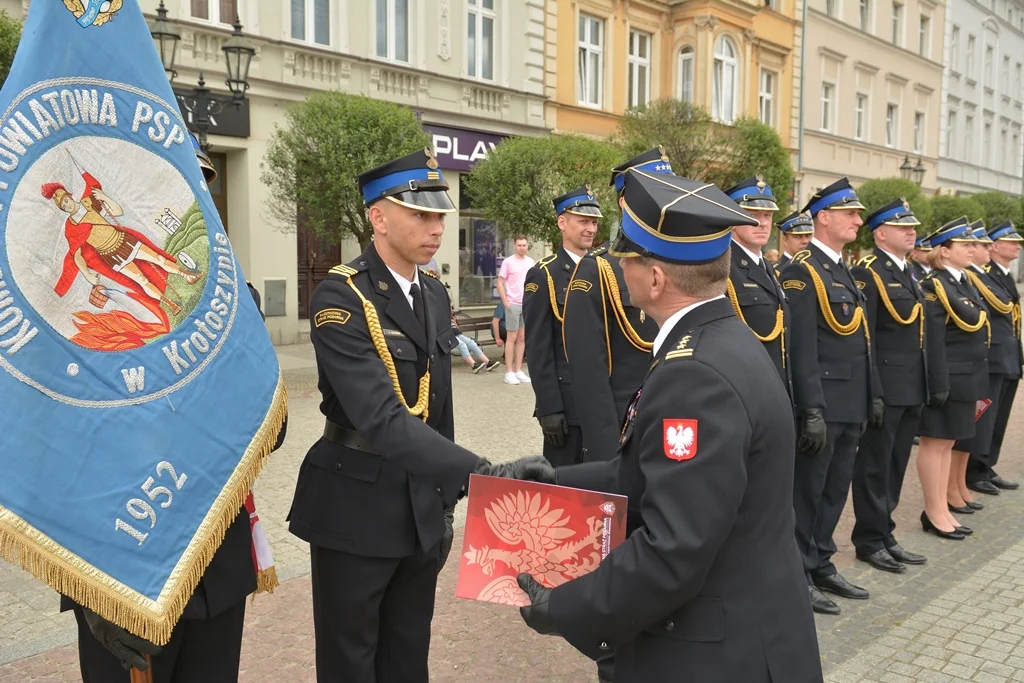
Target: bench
[[471, 327]]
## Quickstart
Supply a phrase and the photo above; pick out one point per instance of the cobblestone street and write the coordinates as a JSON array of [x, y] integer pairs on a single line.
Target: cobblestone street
[[958, 618]]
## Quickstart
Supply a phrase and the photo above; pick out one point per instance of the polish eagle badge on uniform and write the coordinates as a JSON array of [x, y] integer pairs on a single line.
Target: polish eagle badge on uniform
[[680, 439]]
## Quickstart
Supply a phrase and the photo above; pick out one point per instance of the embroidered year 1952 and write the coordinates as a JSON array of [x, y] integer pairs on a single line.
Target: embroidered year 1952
[[142, 509]]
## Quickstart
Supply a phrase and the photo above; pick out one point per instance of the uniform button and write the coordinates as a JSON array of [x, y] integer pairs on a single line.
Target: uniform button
[[669, 625], [431, 356], [337, 466], [433, 397], [603, 646], [439, 489], [398, 352]]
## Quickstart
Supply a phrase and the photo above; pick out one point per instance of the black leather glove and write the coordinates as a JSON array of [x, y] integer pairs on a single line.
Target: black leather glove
[[447, 538], [555, 428], [877, 412], [534, 468], [130, 650], [813, 434], [536, 614], [938, 398]]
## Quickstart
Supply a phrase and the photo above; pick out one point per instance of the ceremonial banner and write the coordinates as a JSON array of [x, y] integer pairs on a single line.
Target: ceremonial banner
[[553, 533], [140, 390]]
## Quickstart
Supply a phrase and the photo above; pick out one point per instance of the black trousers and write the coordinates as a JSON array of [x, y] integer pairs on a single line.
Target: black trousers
[[372, 616], [821, 484], [980, 465], [200, 651], [878, 472], [569, 454]]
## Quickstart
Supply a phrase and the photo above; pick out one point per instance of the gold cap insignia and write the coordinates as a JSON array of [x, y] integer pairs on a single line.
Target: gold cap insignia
[[906, 204], [664, 155], [431, 160], [760, 181]]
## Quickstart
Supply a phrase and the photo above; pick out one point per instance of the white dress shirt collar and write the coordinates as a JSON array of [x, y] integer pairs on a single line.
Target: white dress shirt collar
[[406, 285], [836, 258], [1002, 269], [958, 275], [756, 257], [676, 317], [900, 262]]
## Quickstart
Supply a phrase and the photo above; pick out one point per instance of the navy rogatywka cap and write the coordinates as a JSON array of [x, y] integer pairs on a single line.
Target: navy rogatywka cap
[[796, 223], [753, 194], [651, 161], [675, 219], [580, 201], [413, 181], [1006, 232], [957, 230], [896, 212], [838, 195]]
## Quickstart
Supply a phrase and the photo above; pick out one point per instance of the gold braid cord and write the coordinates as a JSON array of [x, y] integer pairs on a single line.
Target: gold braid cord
[[780, 322], [940, 293], [990, 298], [377, 335], [826, 309], [916, 313], [551, 294], [628, 331]]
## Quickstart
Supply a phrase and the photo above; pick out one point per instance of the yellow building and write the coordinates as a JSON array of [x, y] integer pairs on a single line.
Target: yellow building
[[734, 57]]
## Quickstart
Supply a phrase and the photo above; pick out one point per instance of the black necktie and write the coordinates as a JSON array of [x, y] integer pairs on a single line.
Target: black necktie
[[417, 305]]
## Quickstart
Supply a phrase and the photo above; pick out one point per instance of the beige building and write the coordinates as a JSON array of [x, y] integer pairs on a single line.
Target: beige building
[[872, 87], [472, 69]]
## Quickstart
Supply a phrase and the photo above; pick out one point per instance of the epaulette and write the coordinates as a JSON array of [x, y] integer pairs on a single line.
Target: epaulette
[[430, 274], [343, 270], [544, 262], [867, 261], [800, 256], [987, 267], [686, 346], [598, 251]]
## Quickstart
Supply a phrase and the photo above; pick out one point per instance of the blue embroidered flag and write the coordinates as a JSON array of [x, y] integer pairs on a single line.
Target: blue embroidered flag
[[140, 390]]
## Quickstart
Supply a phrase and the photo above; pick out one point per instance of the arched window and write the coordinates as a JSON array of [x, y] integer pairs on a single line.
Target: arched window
[[723, 103], [686, 74]]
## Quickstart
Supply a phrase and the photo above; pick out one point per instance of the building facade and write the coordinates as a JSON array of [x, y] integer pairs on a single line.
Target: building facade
[[983, 98], [872, 90], [472, 70], [734, 57]]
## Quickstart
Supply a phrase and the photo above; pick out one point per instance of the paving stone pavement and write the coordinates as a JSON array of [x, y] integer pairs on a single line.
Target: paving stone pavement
[[958, 618]]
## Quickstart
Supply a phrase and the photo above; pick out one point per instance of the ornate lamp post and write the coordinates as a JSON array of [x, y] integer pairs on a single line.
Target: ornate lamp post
[[919, 172], [906, 168]]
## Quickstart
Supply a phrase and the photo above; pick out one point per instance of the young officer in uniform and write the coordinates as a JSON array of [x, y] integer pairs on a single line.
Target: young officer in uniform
[[1005, 248], [705, 457], [547, 285], [374, 494], [753, 289], [795, 232], [895, 310], [832, 388], [919, 267]]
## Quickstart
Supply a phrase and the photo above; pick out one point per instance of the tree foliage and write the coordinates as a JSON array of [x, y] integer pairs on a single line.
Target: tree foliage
[[946, 209], [756, 148], [998, 207], [514, 186], [312, 161], [10, 35], [876, 193]]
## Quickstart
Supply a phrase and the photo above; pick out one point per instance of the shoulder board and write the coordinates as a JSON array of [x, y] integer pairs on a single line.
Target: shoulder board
[[343, 270], [686, 346], [800, 256], [544, 262], [429, 274], [598, 251], [987, 267], [867, 260]]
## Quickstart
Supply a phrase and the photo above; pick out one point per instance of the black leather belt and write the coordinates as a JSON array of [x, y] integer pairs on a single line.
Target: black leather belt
[[349, 438]]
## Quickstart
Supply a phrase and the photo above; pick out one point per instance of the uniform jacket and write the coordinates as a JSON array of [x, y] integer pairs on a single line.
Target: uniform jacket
[[547, 284], [830, 370], [1004, 356], [784, 260], [1010, 285], [386, 499], [918, 271], [957, 359], [709, 587], [900, 360], [759, 296], [608, 357]]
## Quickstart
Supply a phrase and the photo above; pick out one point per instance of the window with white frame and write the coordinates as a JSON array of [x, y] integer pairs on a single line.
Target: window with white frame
[[1005, 76], [1017, 83], [865, 15], [968, 138], [1020, 22], [954, 48], [766, 98], [724, 81], [1013, 154], [918, 131], [1004, 148], [832, 8], [986, 145], [639, 68], [217, 11], [860, 117], [892, 125], [951, 134], [989, 54], [311, 21], [828, 102], [924, 36], [686, 74], [480, 39], [897, 23], [971, 43], [590, 60], [393, 30], [771, 4]]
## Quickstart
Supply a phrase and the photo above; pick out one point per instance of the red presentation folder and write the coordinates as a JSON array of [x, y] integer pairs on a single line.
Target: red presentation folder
[[980, 407], [553, 533]]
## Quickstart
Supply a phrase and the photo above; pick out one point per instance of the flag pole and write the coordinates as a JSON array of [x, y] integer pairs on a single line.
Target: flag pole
[[143, 676]]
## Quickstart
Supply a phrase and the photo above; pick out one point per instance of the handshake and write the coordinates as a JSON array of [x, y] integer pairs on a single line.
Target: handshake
[[533, 468]]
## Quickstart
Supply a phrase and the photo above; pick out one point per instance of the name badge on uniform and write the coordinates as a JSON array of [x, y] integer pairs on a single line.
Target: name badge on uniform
[[752, 285], [895, 284]]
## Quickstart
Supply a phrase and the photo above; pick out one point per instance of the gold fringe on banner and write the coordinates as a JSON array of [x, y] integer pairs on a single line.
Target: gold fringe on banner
[[266, 581], [65, 572]]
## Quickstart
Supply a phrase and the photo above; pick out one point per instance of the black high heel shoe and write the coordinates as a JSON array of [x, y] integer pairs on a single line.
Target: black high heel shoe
[[975, 505], [965, 530], [927, 525], [965, 510]]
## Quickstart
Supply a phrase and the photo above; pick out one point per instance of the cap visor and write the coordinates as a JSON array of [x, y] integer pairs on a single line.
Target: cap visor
[[623, 247], [903, 220], [845, 205], [436, 201], [759, 205], [802, 230], [585, 211]]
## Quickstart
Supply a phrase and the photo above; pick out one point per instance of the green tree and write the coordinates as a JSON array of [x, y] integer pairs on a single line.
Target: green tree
[[756, 148], [10, 35], [312, 161], [998, 207], [514, 186], [876, 193], [946, 209]]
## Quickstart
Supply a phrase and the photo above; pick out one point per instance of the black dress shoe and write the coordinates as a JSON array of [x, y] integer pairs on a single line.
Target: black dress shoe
[[965, 530], [983, 487], [975, 505], [905, 556], [927, 525], [1001, 483], [821, 604], [881, 559], [965, 510], [837, 585]]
